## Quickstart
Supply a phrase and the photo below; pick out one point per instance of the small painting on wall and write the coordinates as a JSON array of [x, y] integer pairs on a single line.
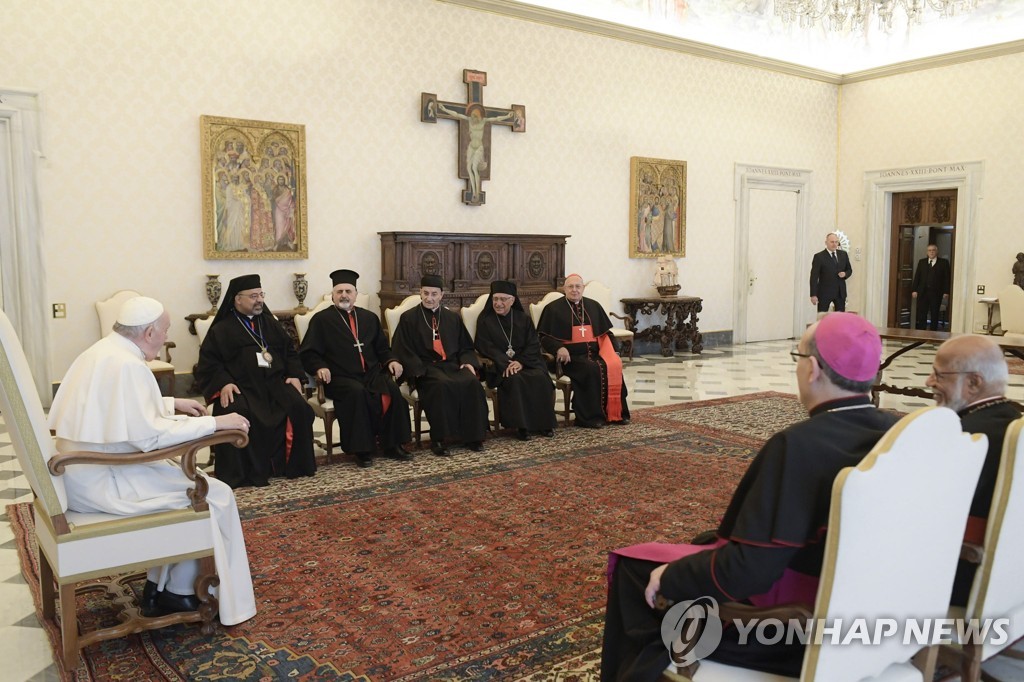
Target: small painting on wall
[[657, 208], [253, 189]]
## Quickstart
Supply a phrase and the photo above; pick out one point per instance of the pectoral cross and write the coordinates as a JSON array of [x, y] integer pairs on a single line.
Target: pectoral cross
[[583, 331], [475, 121], [358, 345]]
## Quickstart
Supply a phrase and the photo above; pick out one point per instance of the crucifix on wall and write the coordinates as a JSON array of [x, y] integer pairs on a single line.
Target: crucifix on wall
[[475, 121]]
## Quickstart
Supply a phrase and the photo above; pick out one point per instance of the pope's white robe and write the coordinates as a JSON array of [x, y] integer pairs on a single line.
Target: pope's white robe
[[109, 401]]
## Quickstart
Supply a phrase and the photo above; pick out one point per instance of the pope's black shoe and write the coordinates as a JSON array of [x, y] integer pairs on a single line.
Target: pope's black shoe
[[176, 603], [148, 604], [438, 448]]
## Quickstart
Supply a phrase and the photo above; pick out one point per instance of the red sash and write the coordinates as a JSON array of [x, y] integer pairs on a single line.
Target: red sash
[[613, 408], [438, 346], [583, 334]]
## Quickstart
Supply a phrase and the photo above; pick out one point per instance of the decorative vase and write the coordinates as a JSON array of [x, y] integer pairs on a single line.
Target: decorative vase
[[213, 289], [301, 287]]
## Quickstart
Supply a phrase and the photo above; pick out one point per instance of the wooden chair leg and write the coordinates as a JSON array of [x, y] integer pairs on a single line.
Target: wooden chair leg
[[47, 594], [417, 411], [329, 433], [208, 604], [970, 670], [69, 627]]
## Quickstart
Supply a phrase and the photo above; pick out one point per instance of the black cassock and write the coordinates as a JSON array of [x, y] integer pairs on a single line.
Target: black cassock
[[775, 525], [357, 383], [453, 398], [228, 356], [587, 369], [526, 398]]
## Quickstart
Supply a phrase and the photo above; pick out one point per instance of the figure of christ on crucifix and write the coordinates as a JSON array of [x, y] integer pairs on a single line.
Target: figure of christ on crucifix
[[475, 122]]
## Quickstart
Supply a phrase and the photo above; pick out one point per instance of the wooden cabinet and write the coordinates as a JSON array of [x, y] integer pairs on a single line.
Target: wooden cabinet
[[468, 263]]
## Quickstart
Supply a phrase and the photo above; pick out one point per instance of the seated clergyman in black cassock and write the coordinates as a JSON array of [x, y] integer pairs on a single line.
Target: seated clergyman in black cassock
[[346, 349], [506, 336], [438, 355], [770, 544], [248, 364], [576, 330]]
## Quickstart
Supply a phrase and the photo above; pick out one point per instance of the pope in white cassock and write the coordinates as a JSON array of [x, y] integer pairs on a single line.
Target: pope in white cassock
[[109, 401]]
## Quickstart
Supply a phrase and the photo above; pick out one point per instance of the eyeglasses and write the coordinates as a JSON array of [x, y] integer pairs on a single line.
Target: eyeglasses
[[939, 376], [796, 355], [256, 296]]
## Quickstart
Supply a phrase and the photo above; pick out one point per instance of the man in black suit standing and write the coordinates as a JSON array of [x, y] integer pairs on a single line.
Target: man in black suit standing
[[830, 268], [931, 288]]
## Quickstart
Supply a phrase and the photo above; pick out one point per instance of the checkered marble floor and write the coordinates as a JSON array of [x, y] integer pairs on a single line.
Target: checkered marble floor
[[652, 381]]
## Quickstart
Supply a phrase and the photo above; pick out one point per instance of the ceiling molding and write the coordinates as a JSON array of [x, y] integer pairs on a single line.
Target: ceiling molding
[[987, 52], [608, 29], [635, 35]]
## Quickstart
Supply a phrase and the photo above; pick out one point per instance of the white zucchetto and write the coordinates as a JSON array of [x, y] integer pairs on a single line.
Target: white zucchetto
[[139, 311]]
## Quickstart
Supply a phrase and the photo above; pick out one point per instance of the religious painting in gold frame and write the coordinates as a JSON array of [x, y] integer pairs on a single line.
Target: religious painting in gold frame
[[253, 189], [657, 208]]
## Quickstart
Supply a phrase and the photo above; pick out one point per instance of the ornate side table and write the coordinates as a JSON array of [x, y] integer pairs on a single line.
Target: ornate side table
[[680, 330]]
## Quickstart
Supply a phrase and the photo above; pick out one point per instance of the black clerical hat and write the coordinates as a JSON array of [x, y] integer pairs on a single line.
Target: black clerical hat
[[236, 285], [344, 277], [502, 287], [432, 281]]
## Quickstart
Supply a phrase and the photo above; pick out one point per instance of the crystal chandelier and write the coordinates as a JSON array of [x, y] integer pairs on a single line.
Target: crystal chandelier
[[836, 15]]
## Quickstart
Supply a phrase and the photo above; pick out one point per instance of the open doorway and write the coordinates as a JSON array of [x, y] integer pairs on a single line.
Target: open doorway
[[919, 219]]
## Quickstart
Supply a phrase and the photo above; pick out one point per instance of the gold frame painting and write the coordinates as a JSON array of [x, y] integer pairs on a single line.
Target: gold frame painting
[[253, 189], [657, 208]]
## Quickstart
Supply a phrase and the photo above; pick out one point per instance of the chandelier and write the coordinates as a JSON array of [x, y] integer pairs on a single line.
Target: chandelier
[[835, 14]]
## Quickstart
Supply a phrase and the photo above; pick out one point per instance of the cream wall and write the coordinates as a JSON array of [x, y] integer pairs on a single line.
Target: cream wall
[[125, 81], [962, 113]]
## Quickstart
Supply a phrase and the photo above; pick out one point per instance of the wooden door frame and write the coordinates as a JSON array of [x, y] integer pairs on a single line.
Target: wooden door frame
[[749, 176], [965, 177]]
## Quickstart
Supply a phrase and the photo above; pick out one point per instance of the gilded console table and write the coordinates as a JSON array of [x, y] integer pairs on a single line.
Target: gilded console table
[[680, 328]]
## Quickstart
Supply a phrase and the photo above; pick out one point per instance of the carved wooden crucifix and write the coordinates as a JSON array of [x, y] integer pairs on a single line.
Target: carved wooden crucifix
[[475, 121]]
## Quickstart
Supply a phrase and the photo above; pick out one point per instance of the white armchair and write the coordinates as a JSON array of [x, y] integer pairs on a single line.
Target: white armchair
[[470, 316], [621, 324], [1011, 312], [896, 523], [323, 406], [76, 548], [562, 382], [391, 318], [107, 312], [998, 591]]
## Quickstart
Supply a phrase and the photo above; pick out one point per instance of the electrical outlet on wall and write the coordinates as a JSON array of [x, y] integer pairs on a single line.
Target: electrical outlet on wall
[[60, 311], [981, 290]]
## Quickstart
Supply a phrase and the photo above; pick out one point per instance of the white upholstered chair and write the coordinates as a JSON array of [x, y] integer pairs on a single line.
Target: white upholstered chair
[[620, 323], [75, 548], [562, 382], [323, 406], [896, 524], [470, 316], [998, 591], [1011, 312], [107, 312], [391, 318]]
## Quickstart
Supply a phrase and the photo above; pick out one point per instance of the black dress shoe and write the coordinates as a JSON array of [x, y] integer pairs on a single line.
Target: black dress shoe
[[522, 434], [585, 424], [549, 433], [438, 449], [476, 445], [398, 452], [148, 604], [364, 460], [622, 422], [176, 603]]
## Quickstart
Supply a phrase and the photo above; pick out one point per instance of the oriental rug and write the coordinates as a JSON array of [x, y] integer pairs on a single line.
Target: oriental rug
[[481, 566]]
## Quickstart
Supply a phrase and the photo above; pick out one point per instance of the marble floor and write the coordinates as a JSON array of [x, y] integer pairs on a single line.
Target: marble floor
[[652, 380]]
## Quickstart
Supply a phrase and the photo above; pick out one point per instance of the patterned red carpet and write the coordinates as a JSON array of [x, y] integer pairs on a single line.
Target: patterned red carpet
[[480, 566]]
